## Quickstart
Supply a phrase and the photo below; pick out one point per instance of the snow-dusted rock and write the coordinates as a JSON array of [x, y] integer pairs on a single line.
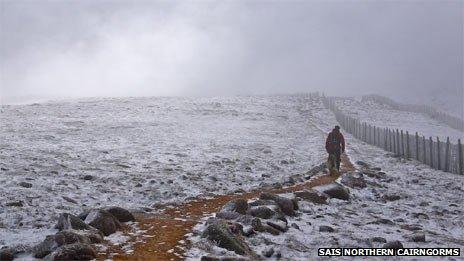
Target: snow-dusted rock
[[220, 233], [69, 221], [287, 206], [52, 242], [6, 254], [311, 196], [103, 221], [76, 251], [326, 229], [353, 180], [237, 205], [334, 190], [261, 212], [393, 244], [123, 215]]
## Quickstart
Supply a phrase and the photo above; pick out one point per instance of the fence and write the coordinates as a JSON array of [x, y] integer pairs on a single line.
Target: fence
[[452, 121], [437, 154]]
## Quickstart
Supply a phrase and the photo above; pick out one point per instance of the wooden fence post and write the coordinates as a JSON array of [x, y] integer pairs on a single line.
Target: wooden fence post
[[438, 154], [424, 154], [460, 156], [407, 145], [447, 154], [398, 148], [417, 146], [431, 151], [402, 143]]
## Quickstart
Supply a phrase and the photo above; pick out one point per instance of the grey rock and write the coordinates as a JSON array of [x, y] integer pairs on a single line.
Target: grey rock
[[261, 202], [311, 196], [25, 184], [76, 251], [334, 190], [6, 254], [326, 229], [278, 224], [379, 239], [228, 215], [52, 242], [69, 221], [393, 244], [88, 177], [237, 205], [18, 203], [419, 237], [261, 212], [353, 180], [268, 252], [103, 221], [121, 214], [286, 205], [220, 233], [391, 197], [295, 226]]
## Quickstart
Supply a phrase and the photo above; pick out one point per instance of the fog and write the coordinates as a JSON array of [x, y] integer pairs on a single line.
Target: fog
[[409, 50]]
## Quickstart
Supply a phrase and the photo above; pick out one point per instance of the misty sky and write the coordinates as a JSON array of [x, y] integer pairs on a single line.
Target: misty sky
[[405, 49]]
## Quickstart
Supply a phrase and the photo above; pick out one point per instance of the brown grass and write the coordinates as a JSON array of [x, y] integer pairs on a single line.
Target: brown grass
[[166, 230]]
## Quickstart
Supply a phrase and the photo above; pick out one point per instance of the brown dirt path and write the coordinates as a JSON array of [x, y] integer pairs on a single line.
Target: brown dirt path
[[167, 231]]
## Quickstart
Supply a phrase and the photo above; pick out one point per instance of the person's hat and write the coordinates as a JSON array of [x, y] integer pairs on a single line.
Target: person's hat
[[337, 127]]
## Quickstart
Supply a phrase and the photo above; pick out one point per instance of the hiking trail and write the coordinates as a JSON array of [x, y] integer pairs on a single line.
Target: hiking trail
[[165, 233]]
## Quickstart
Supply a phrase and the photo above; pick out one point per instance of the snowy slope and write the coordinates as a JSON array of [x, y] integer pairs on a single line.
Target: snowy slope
[[384, 116], [142, 151]]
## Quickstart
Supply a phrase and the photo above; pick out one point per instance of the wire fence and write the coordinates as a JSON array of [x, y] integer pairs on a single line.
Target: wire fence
[[441, 155], [452, 121]]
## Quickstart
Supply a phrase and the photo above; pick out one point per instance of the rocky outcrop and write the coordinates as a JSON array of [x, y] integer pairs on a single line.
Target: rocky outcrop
[[334, 190], [219, 232], [103, 220]]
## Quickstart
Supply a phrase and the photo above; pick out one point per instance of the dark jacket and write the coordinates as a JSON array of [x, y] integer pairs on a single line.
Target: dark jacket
[[335, 142]]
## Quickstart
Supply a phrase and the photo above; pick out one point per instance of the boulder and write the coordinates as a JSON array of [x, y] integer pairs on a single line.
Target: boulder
[[76, 251], [311, 196], [393, 244], [237, 205], [228, 215], [69, 221], [419, 237], [278, 224], [326, 229], [268, 252], [287, 206], [25, 184], [391, 197], [18, 203], [379, 239], [103, 221], [121, 214], [261, 212], [220, 233], [6, 254], [353, 180], [52, 242], [334, 190]]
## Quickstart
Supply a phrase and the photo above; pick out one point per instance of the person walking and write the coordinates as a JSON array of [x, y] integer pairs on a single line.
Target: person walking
[[335, 144]]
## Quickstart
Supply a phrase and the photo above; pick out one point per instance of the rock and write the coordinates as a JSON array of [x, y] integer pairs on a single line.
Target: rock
[[93, 235], [311, 196], [121, 214], [353, 180], [295, 226], [391, 197], [237, 205], [268, 252], [228, 215], [257, 225], [18, 203], [393, 244], [87, 177], [420, 215], [220, 233], [52, 242], [69, 221], [334, 190], [379, 239], [287, 206], [103, 221], [76, 251], [261, 202], [69, 199], [84, 214], [376, 169], [261, 212], [382, 221], [326, 229], [411, 227], [248, 231], [362, 163], [277, 224], [25, 184], [6, 254], [271, 230], [419, 237]]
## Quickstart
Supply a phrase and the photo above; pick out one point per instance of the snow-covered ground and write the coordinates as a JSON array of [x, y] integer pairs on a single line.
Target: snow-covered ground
[[430, 203], [136, 152], [384, 116]]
